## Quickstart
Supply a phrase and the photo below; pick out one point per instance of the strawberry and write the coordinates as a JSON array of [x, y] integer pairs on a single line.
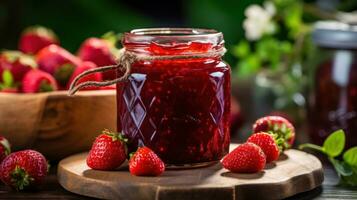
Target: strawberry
[[144, 162], [108, 151], [268, 144], [4, 148], [278, 126], [101, 52], [23, 169], [35, 38], [58, 62], [17, 63], [92, 77], [109, 87], [38, 81], [246, 158]]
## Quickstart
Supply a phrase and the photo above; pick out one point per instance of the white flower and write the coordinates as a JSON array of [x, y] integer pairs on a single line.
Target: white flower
[[258, 21], [270, 8]]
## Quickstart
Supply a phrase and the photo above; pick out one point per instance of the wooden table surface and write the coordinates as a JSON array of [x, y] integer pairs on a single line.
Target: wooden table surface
[[52, 190]]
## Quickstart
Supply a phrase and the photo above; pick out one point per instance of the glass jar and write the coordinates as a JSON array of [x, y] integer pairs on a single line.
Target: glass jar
[[179, 108], [333, 82]]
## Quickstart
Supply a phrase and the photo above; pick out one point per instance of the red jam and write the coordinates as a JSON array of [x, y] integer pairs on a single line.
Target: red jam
[[333, 105], [179, 108]]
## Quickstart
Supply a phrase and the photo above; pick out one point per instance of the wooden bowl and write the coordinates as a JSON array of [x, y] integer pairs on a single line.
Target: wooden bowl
[[54, 123]]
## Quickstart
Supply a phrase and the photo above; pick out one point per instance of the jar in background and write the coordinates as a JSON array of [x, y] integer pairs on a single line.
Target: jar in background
[[332, 102], [179, 108]]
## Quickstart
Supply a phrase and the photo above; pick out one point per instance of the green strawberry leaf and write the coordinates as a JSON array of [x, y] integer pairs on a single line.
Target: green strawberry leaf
[[342, 168], [335, 143], [7, 78], [350, 156]]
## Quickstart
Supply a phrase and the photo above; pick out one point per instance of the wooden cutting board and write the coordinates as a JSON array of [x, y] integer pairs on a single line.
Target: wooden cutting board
[[294, 172]]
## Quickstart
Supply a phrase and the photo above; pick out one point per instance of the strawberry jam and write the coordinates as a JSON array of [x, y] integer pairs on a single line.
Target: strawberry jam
[[332, 96], [178, 107]]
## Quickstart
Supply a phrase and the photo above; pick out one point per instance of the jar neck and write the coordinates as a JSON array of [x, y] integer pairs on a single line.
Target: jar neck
[[173, 41]]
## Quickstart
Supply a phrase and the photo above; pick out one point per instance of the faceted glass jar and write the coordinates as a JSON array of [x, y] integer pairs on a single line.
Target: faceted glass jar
[[332, 100], [333, 95], [180, 107]]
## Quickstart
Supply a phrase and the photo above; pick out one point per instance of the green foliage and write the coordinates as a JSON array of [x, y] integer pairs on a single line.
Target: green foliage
[[350, 156], [334, 144], [276, 51], [333, 147]]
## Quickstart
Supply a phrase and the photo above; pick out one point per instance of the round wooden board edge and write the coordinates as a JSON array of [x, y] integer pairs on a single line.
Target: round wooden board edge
[[309, 181]]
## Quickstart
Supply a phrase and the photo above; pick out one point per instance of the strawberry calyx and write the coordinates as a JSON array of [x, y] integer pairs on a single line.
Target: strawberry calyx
[[5, 143], [280, 142], [115, 136], [112, 40], [20, 178], [64, 72], [281, 134], [45, 86], [7, 80], [41, 31], [13, 56]]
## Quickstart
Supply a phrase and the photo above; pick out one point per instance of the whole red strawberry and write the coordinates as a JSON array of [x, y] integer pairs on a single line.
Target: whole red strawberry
[[268, 144], [5, 148], [108, 151], [58, 62], [86, 65], [35, 38], [144, 162], [100, 52], [38, 81], [23, 169], [279, 126], [16, 63], [246, 158]]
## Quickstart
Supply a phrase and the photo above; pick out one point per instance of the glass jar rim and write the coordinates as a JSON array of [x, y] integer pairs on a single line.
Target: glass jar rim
[[146, 35]]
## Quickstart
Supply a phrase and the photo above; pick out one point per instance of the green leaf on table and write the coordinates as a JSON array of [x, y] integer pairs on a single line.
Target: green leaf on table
[[335, 143], [341, 167], [350, 180], [350, 156]]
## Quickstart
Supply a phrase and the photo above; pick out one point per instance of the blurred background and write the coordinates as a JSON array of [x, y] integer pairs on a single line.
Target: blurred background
[[269, 42]]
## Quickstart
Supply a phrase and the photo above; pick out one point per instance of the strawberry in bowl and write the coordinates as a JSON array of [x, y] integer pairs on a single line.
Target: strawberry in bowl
[[17, 63], [86, 65], [101, 52], [38, 81], [58, 62], [34, 38]]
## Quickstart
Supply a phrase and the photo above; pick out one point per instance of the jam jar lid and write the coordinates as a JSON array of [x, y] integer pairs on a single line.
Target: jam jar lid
[[334, 34]]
